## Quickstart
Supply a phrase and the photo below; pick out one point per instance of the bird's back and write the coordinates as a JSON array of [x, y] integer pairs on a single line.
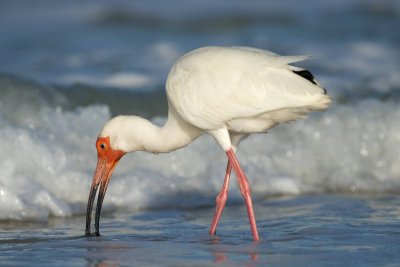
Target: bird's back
[[212, 86]]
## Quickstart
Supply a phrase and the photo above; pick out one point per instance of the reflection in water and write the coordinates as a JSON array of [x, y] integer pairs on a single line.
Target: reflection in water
[[220, 251], [104, 251], [104, 264]]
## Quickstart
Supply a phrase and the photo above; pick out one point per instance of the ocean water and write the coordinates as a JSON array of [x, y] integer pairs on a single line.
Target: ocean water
[[324, 230], [325, 188]]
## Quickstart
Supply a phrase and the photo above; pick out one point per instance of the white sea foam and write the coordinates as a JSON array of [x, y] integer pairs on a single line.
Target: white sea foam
[[46, 167]]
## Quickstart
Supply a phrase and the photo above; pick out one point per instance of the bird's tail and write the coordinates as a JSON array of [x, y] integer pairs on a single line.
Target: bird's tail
[[285, 60], [321, 104]]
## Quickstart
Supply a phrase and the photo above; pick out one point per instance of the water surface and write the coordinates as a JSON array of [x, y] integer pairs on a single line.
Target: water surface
[[311, 230]]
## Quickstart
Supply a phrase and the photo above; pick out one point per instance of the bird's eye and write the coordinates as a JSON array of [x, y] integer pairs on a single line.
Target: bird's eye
[[103, 146]]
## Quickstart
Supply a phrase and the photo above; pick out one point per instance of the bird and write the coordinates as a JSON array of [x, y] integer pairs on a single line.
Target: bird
[[226, 92]]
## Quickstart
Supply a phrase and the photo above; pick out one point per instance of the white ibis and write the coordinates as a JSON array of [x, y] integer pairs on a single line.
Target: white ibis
[[226, 92]]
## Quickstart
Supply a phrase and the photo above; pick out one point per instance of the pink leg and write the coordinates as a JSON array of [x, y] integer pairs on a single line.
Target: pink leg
[[245, 190], [221, 199]]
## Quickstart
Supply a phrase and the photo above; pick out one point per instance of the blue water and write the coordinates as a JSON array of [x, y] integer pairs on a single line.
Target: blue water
[[325, 188], [330, 230]]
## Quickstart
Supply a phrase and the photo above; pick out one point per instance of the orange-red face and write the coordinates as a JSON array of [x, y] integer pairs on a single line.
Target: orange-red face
[[104, 150], [106, 162]]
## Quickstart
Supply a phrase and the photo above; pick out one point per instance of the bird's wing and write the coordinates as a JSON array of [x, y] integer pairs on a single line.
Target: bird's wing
[[212, 88], [271, 58]]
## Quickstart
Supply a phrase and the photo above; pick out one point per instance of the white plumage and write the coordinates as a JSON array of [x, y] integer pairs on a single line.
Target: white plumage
[[227, 92], [211, 86]]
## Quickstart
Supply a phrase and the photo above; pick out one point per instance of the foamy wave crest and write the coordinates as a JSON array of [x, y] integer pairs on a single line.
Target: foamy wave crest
[[46, 167]]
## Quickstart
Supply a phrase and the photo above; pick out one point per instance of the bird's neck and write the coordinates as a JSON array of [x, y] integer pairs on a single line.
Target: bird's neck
[[175, 134]]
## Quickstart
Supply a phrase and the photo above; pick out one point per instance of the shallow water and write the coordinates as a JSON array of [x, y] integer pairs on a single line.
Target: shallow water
[[310, 230]]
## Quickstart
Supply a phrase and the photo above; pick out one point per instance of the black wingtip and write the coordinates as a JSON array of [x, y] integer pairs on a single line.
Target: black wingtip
[[306, 75]]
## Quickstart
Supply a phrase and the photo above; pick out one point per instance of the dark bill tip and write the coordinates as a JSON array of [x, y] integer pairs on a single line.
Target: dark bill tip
[[92, 195], [100, 198]]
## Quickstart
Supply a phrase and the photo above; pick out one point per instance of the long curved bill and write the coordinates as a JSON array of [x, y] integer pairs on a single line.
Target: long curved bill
[[101, 177]]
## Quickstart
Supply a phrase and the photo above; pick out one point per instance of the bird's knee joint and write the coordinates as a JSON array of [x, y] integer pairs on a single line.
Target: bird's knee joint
[[245, 190], [221, 197], [246, 194]]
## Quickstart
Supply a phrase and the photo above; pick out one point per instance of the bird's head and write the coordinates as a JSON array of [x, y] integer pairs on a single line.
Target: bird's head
[[111, 146], [119, 136]]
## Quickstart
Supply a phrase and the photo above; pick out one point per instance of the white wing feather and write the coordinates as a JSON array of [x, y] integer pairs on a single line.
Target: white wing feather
[[214, 85]]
